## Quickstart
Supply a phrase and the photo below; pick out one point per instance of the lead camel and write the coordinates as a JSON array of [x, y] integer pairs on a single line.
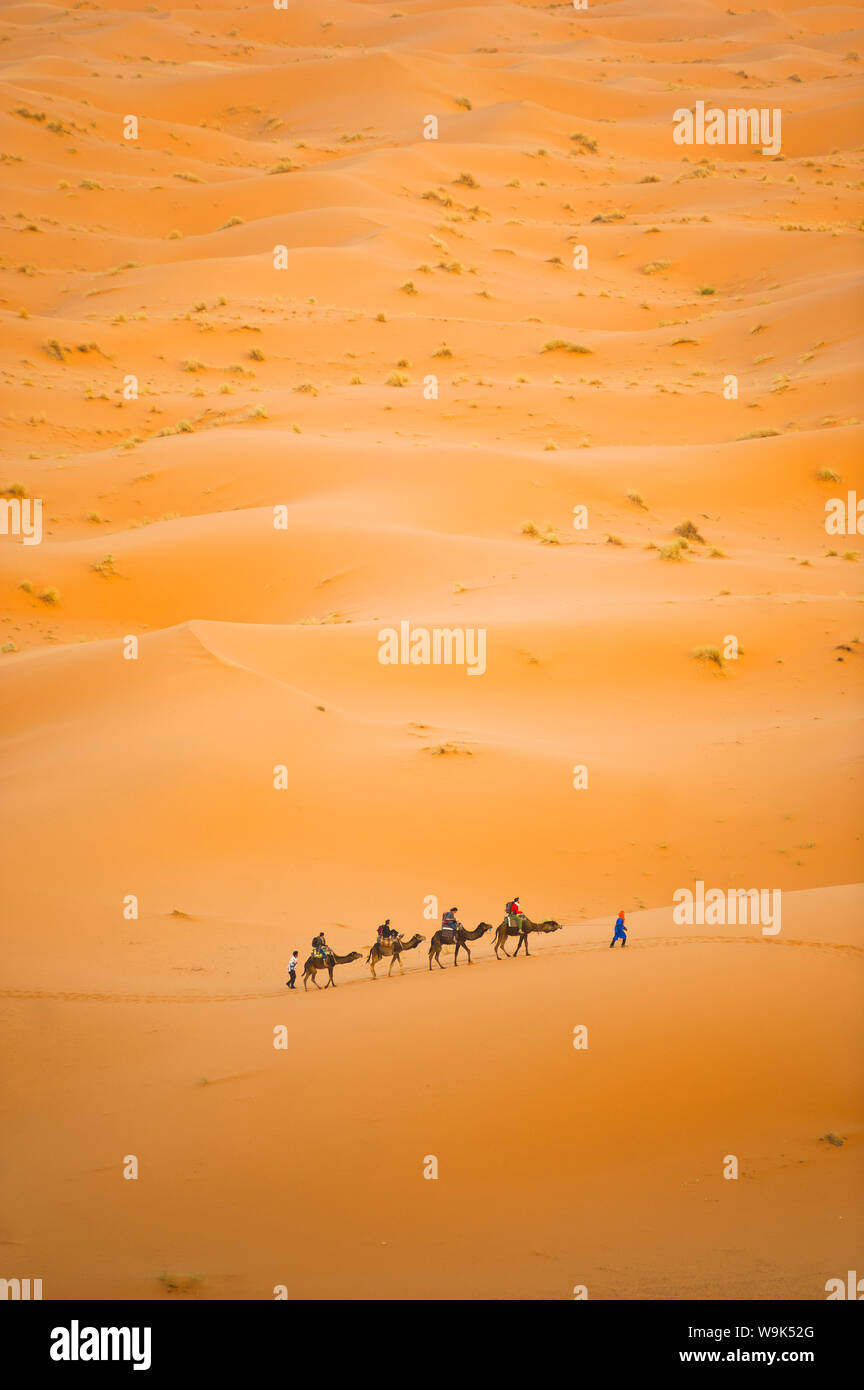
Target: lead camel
[[504, 929]]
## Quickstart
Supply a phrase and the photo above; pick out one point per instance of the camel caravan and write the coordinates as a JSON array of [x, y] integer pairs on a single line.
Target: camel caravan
[[390, 944]]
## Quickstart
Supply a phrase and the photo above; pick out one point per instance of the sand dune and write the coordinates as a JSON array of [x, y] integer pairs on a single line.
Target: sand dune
[[613, 1156], [430, 392]]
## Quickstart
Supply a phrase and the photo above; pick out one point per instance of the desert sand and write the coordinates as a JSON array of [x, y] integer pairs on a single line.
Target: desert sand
[[165, 387]]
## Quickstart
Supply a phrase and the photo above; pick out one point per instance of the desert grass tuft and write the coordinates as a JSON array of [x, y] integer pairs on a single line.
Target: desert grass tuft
[[711, 654], [563, 345]]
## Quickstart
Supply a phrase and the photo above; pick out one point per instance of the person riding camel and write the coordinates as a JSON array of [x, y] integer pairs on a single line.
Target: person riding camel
[[515, 915], [384, 931], [319, 946], [448, 921]]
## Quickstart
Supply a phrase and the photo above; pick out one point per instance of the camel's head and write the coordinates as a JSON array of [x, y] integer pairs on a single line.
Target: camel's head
[[485, 926], [355, 955], [552, 925]]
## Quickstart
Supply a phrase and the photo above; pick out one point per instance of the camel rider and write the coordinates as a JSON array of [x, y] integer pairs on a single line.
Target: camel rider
[[319, 946], [515, 915], [384, 931], [448, 921]]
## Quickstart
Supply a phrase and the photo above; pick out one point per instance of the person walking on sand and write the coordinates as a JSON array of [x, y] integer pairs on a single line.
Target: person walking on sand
[[292, 970], [620, 931]]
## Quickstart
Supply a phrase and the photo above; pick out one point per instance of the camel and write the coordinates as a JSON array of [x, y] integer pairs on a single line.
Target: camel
[[504, 929], [460, 937], [392, 946], [315, 963]]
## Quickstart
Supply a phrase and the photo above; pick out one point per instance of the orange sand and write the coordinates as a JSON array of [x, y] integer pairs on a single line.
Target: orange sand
[[303, 1167]]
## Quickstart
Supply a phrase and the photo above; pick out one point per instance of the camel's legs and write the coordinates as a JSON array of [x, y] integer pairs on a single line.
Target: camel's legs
[[399, 963], [456, 954], [390, 971], [467, 952]]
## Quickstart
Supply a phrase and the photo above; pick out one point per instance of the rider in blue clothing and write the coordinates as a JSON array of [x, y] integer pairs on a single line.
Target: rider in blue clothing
[[448, 920]]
